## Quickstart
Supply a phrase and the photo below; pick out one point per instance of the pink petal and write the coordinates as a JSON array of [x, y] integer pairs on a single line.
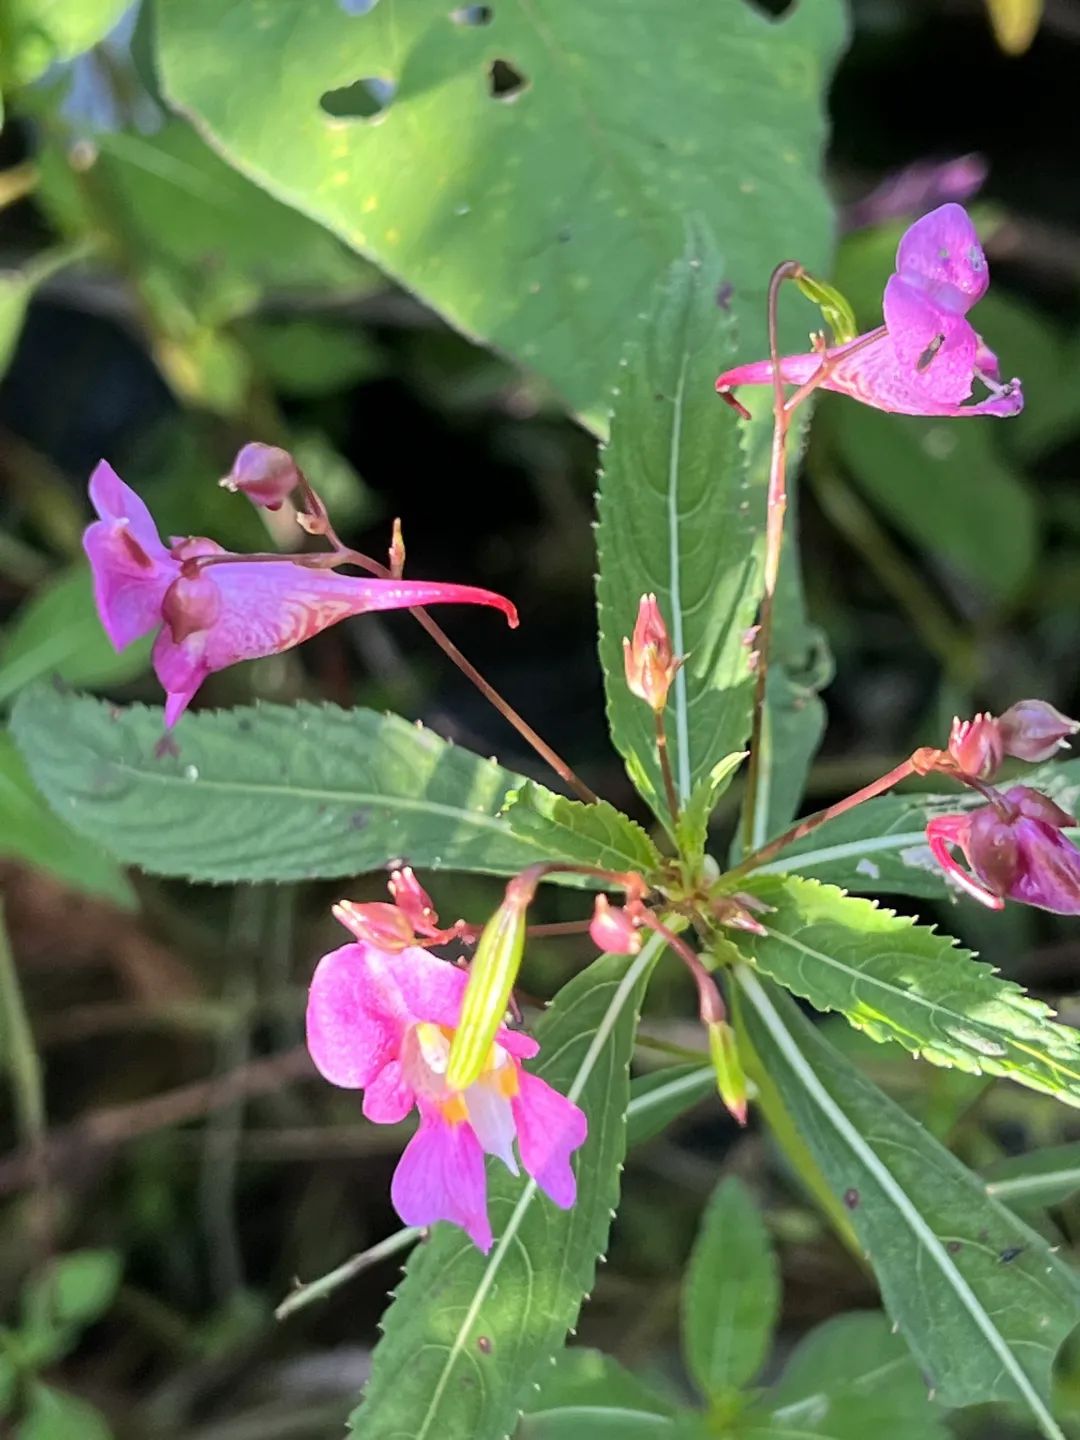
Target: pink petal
[[113, 500], [181, 669], [355, 1019], [942, 251], [934, 346], [1050, 868], [549, 1129], [518, 1044], [431, 988], [129, 582], [491, 1116], [388, 1098], [440, 1176]]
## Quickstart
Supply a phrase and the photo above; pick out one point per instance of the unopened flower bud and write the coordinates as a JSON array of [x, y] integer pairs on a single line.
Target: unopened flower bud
[[650, 664], [1034, 730], [736, 912], [191, 603], [397, 551], [266, 474], [613, 929], [492, 973], [413, 900], [977, 746], [730, 1077], [377, 923]]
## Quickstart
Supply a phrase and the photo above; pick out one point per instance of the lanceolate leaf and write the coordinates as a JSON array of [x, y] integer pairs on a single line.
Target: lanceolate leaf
[[468, 1335], [658, 1099], [901, 981], [1043, 1177], [582, 1377], [731, 1293], [557, 201], [273, 792], [677, 519], [979, 1297], [600, 834]]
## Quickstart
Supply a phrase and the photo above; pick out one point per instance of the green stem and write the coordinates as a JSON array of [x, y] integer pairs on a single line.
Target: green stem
[[327, 1284]]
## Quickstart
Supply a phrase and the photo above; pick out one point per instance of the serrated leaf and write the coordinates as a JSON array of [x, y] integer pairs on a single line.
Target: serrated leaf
[[58, 633], [556, 206], [1044, 1177], [677, 518], [468, 1334], [273, 792], [658, 1099], [30, 831], [850, 1379], [897, 980], [980, 1298], [692, 831], [731, 1293], [598, 833]]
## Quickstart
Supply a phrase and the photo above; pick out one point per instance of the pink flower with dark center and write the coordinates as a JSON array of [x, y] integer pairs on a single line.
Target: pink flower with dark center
[[209, 617], [1016, 851], [383, 1022], [925, 358]]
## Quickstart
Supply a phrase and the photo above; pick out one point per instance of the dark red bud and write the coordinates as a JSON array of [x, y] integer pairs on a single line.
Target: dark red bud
[[977, 747], [191, 603], [992, 850], [1034, 730], [266, 474]]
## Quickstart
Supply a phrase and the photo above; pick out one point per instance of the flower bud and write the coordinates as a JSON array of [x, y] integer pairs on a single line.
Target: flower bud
[[492, 974], [977, 747], [613, 930], [377, 923], [1034, 730], [265, 473], [730, 1077], [650, 665], [992, 850], [412, 899], [191, 603]]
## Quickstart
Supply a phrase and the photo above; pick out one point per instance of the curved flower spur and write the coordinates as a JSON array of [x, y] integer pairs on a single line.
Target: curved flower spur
[[926, 357]]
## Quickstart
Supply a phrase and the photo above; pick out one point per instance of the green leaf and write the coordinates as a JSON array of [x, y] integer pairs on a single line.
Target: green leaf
[[897, 980], [16, 291], [58, 1415], [597, 1422], [30, 831], [306, 358], [469, 1334], [676, 518], [38, 33], [58, 633], [595, 834], [692, 831], [1044, 1177], [70, 1293], [731, 1293], [946, 487], [555, 209], [658, 1099], [980, 1298], [850, 1379], [581, 1377], [272, 792]]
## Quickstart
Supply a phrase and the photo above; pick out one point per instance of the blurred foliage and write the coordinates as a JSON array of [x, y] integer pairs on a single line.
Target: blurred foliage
[[158, 305]]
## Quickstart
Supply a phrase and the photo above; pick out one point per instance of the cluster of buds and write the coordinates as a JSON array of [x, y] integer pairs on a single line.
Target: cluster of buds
[[651, 665], [1031, 730], [411, 918]]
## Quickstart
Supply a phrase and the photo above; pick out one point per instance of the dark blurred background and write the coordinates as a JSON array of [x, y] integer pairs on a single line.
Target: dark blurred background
[[178, 313]]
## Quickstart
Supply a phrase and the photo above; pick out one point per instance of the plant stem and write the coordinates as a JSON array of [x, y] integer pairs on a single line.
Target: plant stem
[[327, 1284], [710, 1004], [804, 827], [665, 767]]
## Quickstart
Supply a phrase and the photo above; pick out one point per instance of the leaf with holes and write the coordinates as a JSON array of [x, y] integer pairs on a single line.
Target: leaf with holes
[[897, 980], [273, 793], [982, 1301], [676, 517], [528, 176], [596, 834], [468, 1334], [731, 1294]]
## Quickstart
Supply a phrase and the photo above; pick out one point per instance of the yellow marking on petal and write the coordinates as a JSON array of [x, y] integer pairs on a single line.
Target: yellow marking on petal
[[454, 1109], [506, 1081]]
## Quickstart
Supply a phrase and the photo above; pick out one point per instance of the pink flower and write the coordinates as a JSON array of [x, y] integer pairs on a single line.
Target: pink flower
[[382, 1022], [210, 617], [1016, 851], [926, 356]]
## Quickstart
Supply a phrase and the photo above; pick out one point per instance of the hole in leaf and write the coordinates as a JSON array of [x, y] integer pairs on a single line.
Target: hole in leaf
[[505, 81], [472, 15], [366, 99]]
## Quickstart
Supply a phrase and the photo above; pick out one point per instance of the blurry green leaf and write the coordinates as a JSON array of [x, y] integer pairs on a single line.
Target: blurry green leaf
[[58, 1415], [9, 1376], [693, 828], [468, 1335], [981, 1300], [731, 1293], [598, 833], [37, 33], [58, 632], [658, 1099], [1043, 1177], [597, 1422], [70, 1293], [676, 518], [582, 1377], [30, 831], [346, 496], [555, 206], [904, 982], [800, 667], [271, 793], [16, 291], [944, 484], [306, 358], [835, 308], [850, 1379]]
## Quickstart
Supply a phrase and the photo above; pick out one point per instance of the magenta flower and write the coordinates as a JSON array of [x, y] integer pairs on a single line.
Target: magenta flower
[[210, 617], [382, 1022], [1016, 851], [925, 358]]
